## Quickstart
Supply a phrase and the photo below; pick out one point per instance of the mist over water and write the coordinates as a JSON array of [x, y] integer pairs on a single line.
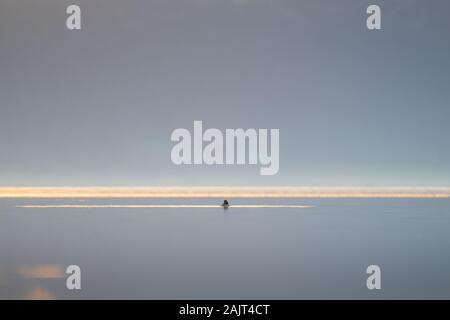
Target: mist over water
[[240, 253]]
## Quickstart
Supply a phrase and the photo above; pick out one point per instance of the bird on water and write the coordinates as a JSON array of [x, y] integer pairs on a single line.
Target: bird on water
[[225, 204]]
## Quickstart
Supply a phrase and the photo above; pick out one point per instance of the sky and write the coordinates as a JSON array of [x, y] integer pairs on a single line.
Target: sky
[[97, 106]]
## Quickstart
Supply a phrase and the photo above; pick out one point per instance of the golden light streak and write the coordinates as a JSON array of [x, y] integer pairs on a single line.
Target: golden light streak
[[39, 293], [140, 206], [224, 192], [42, 271]]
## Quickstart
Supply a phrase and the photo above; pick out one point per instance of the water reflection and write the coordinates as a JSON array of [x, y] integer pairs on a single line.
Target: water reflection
[[42, 271], [38, 293], [31, 281]]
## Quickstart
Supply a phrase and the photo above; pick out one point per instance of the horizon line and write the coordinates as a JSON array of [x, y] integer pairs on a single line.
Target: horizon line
[[225, 192]]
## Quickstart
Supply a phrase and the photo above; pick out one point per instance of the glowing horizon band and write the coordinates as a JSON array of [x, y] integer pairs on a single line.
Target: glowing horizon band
[[224, 192]]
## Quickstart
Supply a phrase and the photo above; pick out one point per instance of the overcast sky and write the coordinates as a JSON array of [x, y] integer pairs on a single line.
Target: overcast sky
[[97, 106]]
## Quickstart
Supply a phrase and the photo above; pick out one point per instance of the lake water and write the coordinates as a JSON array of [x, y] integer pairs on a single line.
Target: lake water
[[239, 253]]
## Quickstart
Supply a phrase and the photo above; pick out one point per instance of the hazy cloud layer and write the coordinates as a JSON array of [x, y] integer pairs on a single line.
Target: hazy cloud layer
[[97, 106]]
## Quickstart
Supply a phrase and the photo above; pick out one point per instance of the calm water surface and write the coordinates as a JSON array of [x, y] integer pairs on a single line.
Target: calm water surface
[[239, 253]]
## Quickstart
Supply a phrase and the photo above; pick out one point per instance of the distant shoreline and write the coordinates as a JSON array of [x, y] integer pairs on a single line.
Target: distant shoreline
[[224, 192]]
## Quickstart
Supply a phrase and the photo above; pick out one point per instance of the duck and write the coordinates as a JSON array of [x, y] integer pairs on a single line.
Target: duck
[[225, 204]]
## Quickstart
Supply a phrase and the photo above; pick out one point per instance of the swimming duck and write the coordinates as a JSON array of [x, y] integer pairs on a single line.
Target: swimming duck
[[225, 204]]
